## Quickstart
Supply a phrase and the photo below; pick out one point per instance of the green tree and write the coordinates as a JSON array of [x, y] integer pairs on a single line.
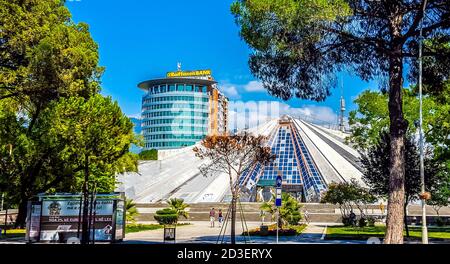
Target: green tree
[[441, 196], [439, 125], [44, 56], [348, 195], [370, 121], [96, 135], [49, 80], [289, 210], [376, 173], [299, 46], [371, 117], [132, 211], [149, 154], [180, 206]]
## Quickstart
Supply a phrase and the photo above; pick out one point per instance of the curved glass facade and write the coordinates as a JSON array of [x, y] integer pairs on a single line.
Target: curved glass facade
[[175, 115]]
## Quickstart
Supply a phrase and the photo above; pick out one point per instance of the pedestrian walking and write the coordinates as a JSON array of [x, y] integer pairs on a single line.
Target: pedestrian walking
[[306, 214], [212, 217], [220, 218]]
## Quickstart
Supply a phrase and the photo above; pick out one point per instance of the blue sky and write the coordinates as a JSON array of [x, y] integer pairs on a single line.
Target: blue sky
[[141, 39]]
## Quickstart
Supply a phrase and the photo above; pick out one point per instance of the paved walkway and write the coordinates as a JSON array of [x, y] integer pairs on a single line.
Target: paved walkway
[[200, 232]]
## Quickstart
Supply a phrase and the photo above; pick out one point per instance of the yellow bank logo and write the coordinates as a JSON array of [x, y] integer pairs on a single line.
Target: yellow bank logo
[[188, 73]]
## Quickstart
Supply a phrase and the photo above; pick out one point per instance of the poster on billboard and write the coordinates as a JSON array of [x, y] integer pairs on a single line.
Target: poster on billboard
[[60, 219]]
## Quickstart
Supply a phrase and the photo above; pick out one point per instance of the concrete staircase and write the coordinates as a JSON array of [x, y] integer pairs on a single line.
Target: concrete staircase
[[200, 211], [324, 213]]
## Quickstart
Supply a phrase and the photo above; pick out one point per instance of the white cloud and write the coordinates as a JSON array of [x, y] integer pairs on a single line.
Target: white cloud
[[233, 90], [250, 114], [137, 116], [230, 90], [319, 114], [254, 86]]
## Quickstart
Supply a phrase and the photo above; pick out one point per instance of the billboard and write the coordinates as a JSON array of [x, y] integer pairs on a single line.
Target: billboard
[[120, 218], [34, 221], [61, 217]]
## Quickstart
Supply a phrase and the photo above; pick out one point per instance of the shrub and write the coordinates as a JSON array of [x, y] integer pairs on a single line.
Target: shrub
[[289, 210], [166, 216], [371, 221], [346, 220], [179, 206], [362, 222], [131, 211], [271, 232], [348, 196], [294, 218], [440, 221], [151, 154]]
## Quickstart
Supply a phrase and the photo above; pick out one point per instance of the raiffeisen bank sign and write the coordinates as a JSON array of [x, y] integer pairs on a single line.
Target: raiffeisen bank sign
[[198, 73]]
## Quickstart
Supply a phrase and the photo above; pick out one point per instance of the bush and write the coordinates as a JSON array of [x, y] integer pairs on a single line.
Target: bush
[[151, 154], [346, 221], [440, 221], [362, 222], [371, 221], [166, 216], [271, 232], [289, 210], [294, 218], [131, 211]]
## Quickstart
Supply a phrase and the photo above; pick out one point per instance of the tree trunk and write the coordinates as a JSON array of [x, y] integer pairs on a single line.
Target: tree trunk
[[398, 126], [84, 226], [406, 219], [22, 214], [233, 219]]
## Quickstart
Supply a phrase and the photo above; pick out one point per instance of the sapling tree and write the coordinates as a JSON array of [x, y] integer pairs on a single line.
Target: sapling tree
[[232, 155]]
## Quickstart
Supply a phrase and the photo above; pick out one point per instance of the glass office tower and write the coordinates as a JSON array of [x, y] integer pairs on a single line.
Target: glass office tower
[[180, 111]]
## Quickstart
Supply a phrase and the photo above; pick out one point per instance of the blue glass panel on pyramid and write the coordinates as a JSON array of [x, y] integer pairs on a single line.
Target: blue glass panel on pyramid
[[293, 162]]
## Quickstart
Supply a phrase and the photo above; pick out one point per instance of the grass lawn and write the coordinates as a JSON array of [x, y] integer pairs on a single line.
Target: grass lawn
[[133, 228], [357, 233]]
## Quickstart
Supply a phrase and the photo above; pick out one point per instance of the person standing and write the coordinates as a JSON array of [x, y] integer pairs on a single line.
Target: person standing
[[220, 218], [212, 217], [306, 214]]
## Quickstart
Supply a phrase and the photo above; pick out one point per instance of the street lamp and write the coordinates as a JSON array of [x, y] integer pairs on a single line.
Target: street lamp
[[422, 175]]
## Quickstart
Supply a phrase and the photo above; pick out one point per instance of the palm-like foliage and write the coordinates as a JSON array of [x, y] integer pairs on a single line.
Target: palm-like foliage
[[179, 205], [289, 210], [132, 211]]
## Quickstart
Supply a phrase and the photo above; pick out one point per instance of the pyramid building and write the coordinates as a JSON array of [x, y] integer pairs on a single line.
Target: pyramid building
[[308, 158]]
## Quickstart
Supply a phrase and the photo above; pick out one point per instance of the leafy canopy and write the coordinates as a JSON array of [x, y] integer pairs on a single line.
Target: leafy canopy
[[96, 129], [376, 170], [299, 45], [51, 115], [44, 54], [371, 118], [283, 35], [179, 205]]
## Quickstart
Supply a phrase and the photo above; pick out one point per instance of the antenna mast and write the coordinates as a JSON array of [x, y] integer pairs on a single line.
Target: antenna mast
[[342, 107]]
